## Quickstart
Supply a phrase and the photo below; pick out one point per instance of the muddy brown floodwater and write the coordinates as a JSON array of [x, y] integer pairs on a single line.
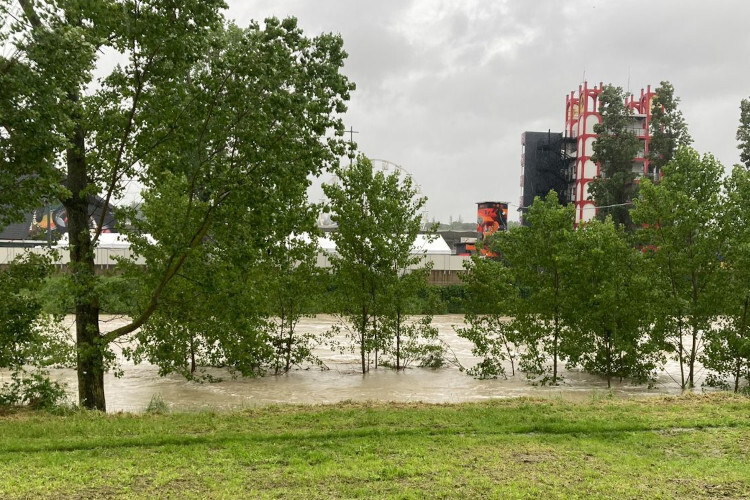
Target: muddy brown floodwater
[[343, 381]]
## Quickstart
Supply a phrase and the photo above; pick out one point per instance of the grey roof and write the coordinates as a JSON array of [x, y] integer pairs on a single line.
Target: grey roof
[[18, 231]]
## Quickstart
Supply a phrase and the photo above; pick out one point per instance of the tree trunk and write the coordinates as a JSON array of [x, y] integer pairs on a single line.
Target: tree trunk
[[363, 339], [680, 352], [376, 339], [738, 368], [90, 361], [398, 340], [512, 359], [694, 332], [289, 341], [609, 365], [554, 352], [693, 355], [192, 354]]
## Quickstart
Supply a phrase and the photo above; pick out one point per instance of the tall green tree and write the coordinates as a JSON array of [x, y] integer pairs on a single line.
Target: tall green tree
[[294, 289], [378, 218], [407, 339], [668, 128], [727, 347], [491, 298], [743, 133], [613, 304], [33, 73], [681, 227], [614, 149], [222, 125], [540, 257]]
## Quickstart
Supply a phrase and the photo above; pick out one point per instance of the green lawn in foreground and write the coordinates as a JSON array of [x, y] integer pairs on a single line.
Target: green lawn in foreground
[[687, 447]]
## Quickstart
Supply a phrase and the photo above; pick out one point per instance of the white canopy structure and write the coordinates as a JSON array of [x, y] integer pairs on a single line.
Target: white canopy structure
[[423, 244]]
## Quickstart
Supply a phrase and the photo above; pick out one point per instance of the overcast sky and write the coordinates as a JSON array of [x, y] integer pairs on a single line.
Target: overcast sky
[[446, 88]]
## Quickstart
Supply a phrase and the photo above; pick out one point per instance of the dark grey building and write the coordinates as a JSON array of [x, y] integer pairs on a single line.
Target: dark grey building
[[548, 162]]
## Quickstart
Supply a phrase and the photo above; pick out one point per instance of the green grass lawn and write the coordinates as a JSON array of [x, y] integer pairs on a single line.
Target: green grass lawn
[[687, 447]]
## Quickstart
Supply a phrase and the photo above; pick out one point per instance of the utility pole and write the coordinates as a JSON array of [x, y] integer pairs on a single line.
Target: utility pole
[[351, 133]]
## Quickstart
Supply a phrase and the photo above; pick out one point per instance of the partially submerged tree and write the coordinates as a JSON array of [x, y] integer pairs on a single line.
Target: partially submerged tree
[[613, 304], [407, 339], [614, 149], [223, 125], [491, 298], [540, 258], [727, 347], [682, 231], [378, 218], [293, 287], [30, 340]]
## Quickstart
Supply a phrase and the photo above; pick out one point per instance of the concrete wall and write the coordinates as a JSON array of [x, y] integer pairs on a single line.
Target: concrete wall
[[445, 268], [104, 258]]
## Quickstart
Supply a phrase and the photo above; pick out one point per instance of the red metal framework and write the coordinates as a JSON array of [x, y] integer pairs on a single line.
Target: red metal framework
[[581, 114]]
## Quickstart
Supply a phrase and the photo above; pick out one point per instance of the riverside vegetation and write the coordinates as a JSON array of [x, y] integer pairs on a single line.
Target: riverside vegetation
[[599, 297], [224, 127]]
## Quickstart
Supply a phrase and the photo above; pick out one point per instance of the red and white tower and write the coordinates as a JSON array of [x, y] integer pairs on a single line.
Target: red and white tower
[[581, 114]]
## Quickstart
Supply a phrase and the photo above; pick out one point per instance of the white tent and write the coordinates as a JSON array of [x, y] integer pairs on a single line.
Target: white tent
[[106, 240], [422, 244]]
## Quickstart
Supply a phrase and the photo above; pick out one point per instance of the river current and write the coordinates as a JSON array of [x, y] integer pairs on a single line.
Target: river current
[[343, 381]]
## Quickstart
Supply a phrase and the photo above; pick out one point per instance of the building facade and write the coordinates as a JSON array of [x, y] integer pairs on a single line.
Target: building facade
[[562, 161]]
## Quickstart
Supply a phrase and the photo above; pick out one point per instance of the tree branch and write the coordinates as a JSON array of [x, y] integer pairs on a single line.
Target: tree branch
[[172, 269], [30, 13]]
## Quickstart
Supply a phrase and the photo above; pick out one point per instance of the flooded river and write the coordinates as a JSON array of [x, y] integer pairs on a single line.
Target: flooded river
[[343, 381]]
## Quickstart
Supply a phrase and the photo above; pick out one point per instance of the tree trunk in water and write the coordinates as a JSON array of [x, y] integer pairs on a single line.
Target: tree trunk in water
[[89, 358], [693, 355], [738, 368], [512, 359], [398, 340], [363, 339], [192, 355], [376, 339], [680, 352], [609, 359], [554, 353], [289, 341]]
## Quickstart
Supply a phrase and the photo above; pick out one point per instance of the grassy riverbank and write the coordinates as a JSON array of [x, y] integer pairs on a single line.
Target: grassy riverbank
[[688, 447]]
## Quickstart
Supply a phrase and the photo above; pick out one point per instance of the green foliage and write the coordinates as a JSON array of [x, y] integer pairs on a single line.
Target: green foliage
[[743, 132], [668, 129], [490, 298], [157, 406], [494, 340], [449, 299], [681, 226], [32, 125], [614, 304], [223, 126], [294, 284], [28, 336], [378, 220], [411, 341], [117, 294], [539, 257], [614, 149], [34, 390], [727, 347]]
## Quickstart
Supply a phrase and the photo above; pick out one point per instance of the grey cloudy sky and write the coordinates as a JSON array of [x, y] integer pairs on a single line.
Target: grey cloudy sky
[[446, 87]]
